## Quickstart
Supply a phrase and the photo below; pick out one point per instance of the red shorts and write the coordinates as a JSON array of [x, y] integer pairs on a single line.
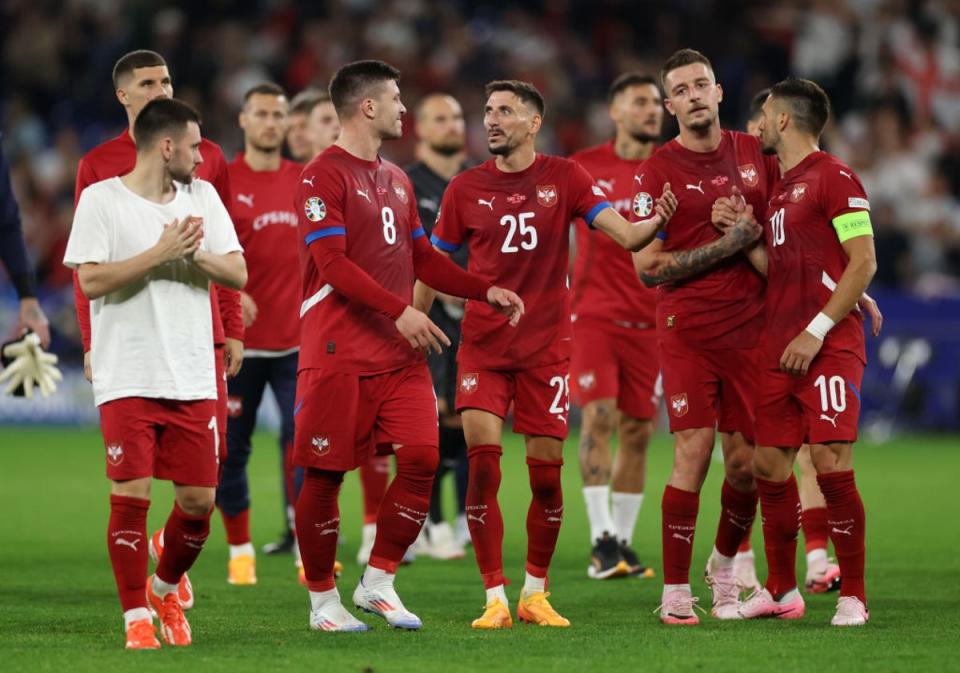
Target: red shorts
[[616, 363], [221, 369], [340, 419], [174, 440], [709, 388], [541, 396], [821, 406]]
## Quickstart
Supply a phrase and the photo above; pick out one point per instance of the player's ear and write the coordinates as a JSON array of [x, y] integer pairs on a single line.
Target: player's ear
[[669, 105], [121, 96], [368, 107], [719, 93], [536, 121]]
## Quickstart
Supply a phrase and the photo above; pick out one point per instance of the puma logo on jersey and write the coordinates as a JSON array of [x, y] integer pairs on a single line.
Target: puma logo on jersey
[[488, 204], [606, 184], [364, 194], [127, 543], [833, 421], [246, 198], [308, 181], [639, 179], [698, 187], [849, 176]]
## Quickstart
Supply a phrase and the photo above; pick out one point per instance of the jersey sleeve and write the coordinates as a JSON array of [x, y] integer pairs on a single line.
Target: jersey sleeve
[[219, 236], [450, 229], [89, 240], [845, 203], [85, 178], [417, 230], [319, 204], [221, 178], [586, 197]]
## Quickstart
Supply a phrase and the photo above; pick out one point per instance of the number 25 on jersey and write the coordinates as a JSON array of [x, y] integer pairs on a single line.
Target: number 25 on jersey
[[517, 228]]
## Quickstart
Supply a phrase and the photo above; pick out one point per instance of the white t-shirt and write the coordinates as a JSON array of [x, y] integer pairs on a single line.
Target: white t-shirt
[[153, 338]]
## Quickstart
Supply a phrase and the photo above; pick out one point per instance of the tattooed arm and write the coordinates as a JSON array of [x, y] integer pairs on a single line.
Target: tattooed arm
[[656, 267]]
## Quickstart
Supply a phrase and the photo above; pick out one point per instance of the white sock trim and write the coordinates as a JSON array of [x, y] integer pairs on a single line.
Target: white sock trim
[[497, 592], [135, 615], [321, 599], [375, 577], [816, 557], [532, 584], [597, 499], [162, 588], [624, 509], [245, 549]]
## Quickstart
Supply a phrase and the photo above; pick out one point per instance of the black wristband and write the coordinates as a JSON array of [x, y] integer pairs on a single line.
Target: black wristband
[[25, 285]]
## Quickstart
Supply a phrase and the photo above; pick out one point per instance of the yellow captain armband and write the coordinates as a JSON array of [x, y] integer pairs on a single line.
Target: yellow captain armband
[[851, 225]]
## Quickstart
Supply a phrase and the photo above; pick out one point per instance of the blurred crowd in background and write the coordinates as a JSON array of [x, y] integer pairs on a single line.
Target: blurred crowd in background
[[891, 67]]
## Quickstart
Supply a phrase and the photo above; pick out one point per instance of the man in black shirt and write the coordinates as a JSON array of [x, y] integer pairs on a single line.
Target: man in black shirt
[[441, 154]]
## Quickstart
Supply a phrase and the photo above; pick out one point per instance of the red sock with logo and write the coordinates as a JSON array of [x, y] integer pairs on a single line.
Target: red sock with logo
[[483, 512], [318, 526], [679, 522], [374, 478], [815, 531], [847, 522], [544, 515], [780, 501], [405, 506], [183, 538], [737, 511], [127, 546], [237, 527]]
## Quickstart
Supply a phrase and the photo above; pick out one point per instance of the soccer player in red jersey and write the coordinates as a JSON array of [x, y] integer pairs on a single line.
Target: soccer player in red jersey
[[263, 185], [139, 77], [818, 256], [363, 382], [146, 247], [514, 212], [709, 319], [614, 369]]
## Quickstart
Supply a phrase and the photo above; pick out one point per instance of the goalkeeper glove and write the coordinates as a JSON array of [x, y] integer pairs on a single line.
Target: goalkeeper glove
[[25, 365]]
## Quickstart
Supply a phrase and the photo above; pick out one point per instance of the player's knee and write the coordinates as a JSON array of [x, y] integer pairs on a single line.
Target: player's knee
[[545, 484], [484, 470], [418, 461], [830, 457], [635, 434], [196, 501], [598, 419]]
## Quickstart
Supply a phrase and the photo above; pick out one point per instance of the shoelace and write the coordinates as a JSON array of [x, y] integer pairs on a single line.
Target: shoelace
[[141, 631], [688, 603], [847, 606], [540, 600], [726, 588], [170, 610]]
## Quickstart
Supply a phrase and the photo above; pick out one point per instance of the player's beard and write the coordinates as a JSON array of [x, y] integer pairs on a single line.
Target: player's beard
[[182, 176], [702, 125], [644, 137], [448, 148], [265, 148], [769, 145], [503, 150]]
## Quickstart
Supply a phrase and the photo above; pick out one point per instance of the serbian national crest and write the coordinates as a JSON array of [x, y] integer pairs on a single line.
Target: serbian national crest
[[115, 453], [547, 195], [468, 383], [642, 204], [234, 406], [401, 193], [749, 175], [321, 444], [678, 405], [798, 192], [587, 380], [315, 209]]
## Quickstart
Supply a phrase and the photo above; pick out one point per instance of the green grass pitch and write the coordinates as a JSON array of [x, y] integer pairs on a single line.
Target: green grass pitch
[[59, 610]]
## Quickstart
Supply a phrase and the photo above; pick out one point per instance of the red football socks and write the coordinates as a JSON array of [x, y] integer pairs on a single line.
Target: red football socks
[[483, 512], [237, 527], [780, 501], [815, 531], [847, 523], [127, 546], [679, 521], [405, 506], [544, 515], [183, 538], [318, 526], [737, 511], [374, 477]]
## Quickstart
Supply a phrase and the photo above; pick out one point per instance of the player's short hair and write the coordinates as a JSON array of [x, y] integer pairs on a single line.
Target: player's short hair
[[525, 91], [808, 102], [306, 100], [422, 103], [756, 104], [680, 58], [356, 81], [264, 89], [141, 58], [627, 80], [162, 116]]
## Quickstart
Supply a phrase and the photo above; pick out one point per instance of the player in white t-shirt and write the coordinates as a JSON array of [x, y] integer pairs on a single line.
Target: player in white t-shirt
[[146, 247]]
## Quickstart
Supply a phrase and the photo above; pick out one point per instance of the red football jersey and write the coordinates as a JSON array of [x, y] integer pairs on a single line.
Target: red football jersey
[[605, 288], [806, 257], [722, 307], [117, 157], [517, 228], [372, 204], [266, 225]]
